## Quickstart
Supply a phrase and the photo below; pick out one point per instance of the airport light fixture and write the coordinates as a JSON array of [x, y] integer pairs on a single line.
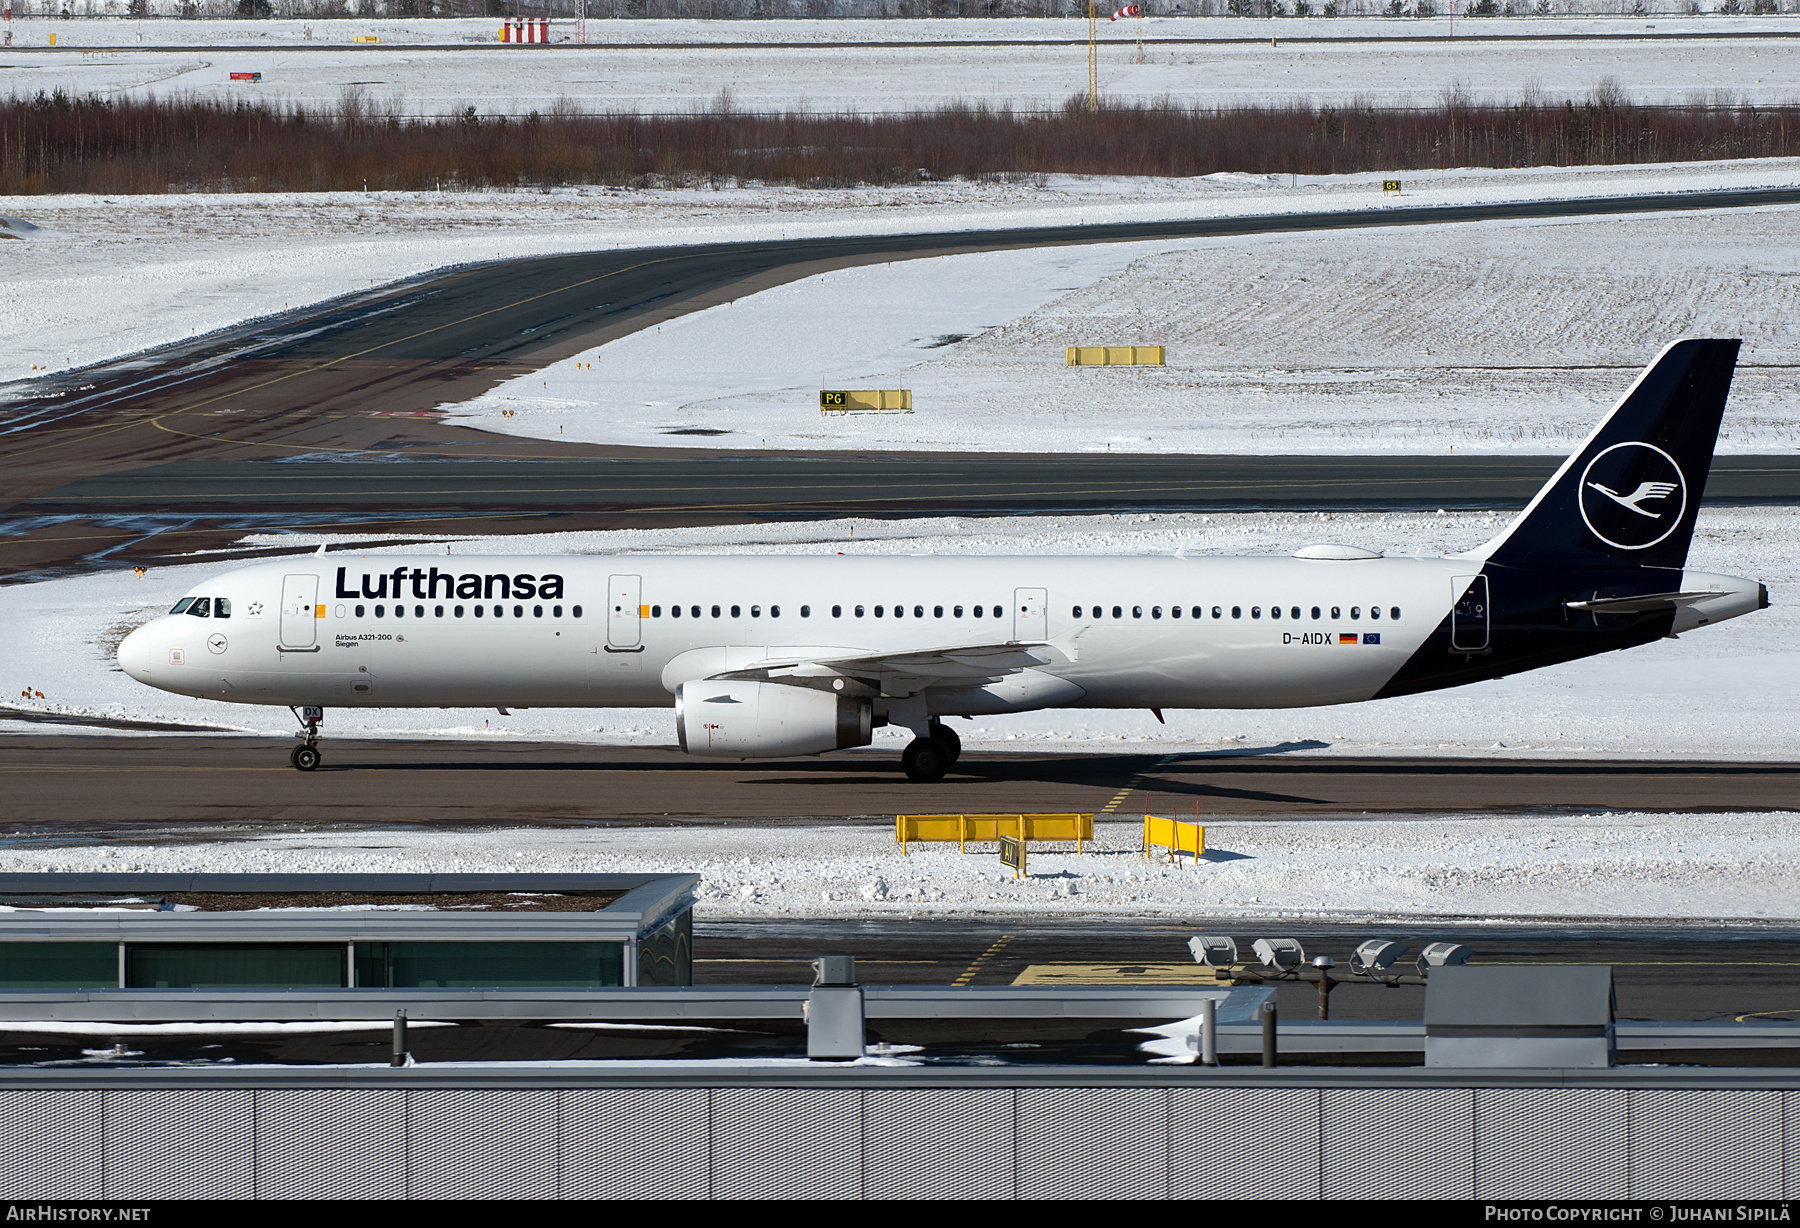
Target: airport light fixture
[[1214, 950], [1283, 959], [1283, 953], [1376, 955], [1443, 955]]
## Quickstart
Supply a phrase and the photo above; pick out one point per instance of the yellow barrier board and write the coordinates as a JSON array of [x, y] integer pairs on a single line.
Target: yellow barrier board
[[988, 828], [866, 401], [1174, 835], [365, 38], [1113, 356]]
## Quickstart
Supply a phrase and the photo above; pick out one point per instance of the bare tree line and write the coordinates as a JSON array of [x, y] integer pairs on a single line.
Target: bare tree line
[[55, 143]]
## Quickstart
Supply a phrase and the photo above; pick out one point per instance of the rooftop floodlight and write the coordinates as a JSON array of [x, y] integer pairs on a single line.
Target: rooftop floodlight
[[1376, 955], [1324, 961], [1214, 950], [1443, 955], [1279, 952]]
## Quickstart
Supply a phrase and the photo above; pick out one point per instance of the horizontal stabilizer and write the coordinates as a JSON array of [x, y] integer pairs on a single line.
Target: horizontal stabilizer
[[1645, 604]]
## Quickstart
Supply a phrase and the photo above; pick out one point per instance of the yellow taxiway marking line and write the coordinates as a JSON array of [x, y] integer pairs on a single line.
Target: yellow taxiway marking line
[[974, 968], [1115, 974]]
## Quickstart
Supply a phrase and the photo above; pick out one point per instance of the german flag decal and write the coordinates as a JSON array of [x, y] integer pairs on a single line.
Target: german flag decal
[[1347, 637]]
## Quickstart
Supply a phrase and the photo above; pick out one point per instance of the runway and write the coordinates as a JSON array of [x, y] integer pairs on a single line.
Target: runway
[[60, 786], [171, 451]]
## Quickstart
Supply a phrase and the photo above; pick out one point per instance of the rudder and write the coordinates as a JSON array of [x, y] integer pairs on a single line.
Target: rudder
[[1631, 492]]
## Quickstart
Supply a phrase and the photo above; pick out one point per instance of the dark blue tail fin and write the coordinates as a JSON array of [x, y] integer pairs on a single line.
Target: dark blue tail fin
[[1631, 492]]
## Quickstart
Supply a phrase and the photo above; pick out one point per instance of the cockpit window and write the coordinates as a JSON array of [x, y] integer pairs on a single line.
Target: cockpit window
[[221, 607], [202, 607], [182, 605]]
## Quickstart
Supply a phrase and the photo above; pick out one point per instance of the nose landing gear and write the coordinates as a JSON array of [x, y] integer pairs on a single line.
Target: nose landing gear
[[306, 756]]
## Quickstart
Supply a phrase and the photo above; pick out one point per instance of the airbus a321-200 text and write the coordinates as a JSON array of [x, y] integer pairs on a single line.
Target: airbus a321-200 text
[[770, 657]]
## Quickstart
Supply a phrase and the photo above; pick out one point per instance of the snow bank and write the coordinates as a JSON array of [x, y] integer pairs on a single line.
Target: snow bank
[[1462, 868]]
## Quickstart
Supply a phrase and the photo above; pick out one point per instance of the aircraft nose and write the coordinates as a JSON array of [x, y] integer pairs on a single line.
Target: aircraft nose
[[135, 653]]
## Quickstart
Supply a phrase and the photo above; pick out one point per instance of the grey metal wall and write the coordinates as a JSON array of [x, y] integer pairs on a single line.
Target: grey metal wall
[[899, 1142]]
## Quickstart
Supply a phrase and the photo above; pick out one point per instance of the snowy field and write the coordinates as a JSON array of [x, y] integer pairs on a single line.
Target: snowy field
[[1715, 867], [1490, 337], [1726, 692], [775, 66], [102, 277]]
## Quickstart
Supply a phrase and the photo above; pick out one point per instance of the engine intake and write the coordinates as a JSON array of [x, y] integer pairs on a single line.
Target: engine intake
[[766, 720]]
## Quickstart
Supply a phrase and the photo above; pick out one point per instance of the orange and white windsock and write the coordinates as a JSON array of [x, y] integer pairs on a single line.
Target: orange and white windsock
[[1130, 10]]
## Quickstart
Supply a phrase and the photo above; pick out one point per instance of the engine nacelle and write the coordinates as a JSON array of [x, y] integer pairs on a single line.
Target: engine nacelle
[[766, 720]]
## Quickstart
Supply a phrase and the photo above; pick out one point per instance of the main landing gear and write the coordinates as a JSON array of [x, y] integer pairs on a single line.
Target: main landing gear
[[927, 759], [306, 756]]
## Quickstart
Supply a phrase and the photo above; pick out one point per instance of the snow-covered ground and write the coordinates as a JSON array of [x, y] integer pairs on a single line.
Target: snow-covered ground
[[161, 30], [1462, 868], [101, 277], [1491, 337], [774, 66], [1731, 691]]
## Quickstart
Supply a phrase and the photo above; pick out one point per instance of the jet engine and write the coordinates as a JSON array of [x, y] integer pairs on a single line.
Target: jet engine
[[765, 720]]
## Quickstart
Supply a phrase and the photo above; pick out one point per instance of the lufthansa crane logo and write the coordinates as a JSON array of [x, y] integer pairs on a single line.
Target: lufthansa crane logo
[[1632, 495]]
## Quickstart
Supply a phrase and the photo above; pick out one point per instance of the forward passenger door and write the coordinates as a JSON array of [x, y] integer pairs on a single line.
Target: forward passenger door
[[299, 615]]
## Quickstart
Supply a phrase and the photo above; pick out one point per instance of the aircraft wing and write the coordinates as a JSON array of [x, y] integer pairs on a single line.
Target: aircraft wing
[[963, 663]]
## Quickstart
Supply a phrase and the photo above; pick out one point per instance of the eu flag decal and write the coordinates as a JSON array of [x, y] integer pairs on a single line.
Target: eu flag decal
[[1370, 637]]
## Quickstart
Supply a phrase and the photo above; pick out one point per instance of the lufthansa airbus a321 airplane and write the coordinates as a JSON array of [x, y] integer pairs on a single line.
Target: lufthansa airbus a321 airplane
[[765, 657]]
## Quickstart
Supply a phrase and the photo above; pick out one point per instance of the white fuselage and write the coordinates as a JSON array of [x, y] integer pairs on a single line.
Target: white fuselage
[[1160, 632]]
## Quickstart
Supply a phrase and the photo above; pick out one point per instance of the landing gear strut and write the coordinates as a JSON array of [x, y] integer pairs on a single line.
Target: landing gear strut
[[926, 760], [943, 733], [306, 756]]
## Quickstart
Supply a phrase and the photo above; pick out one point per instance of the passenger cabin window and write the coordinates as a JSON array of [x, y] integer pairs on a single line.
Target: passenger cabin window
[[1355, 611], [1274, 611], [1394, 611], [1237, 611], [1334, 612]]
